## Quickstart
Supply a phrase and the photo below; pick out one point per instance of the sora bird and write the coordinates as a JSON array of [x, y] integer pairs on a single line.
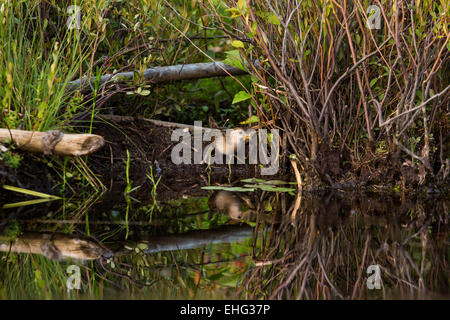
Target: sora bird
[[227, 144], [230, 143]]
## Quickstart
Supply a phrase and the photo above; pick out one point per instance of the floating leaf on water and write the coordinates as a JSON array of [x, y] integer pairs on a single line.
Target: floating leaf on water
[[269, 182], [258, 186], [269, 185], [274, 182], [269, 188], [231, 189], [282, 189], [253, 180]]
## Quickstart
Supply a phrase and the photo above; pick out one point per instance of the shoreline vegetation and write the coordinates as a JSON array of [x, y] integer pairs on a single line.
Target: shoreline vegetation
[[357, 106], [358, 90]]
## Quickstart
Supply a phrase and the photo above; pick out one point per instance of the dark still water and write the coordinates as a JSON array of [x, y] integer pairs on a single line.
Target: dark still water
[[218, 244]]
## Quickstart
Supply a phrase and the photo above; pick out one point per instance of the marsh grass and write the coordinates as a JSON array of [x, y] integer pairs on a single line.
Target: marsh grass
[[35, 73]]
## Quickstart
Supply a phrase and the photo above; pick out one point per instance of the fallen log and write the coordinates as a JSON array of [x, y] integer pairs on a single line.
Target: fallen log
[[170, 73], [56, 246], [117, 118], [53, 142]]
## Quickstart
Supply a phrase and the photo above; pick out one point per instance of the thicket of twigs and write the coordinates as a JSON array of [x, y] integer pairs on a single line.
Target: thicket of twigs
[[338, 88]]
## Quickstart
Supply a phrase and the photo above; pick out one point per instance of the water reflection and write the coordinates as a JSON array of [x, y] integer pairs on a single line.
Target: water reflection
[[324, 253], [56, 246], [262, 244], [229, 203]]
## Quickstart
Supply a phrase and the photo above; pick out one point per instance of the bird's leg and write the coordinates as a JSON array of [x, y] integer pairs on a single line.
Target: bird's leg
[[208, 167], [208, 161]]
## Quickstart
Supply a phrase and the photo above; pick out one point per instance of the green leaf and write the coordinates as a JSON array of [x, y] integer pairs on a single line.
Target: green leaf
[[267, 206], [269, 17], [241, 96], [234, 59], [38, 278], [142, 246], [373, 81], [242, 5], [228, 282], [215, 277], [237, 44], [252, 119], [235, 12], [273, 19]]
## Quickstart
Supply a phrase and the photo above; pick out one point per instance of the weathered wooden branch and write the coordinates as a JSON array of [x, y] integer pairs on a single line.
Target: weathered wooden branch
[[53, 142], [170, 73], [117, 118]]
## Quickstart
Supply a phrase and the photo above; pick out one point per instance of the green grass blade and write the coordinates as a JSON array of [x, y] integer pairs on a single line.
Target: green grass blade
[[26, 203], [30, 192]]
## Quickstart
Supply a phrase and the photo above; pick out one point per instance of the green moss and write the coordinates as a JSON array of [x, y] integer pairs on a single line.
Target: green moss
[[11, 231], [11, 159]]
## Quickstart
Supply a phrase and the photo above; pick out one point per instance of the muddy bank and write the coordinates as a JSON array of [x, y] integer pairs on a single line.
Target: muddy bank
[[148, 148], [150, 145]]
